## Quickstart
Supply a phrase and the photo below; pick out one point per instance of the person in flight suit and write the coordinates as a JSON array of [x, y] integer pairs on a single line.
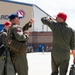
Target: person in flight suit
[[20, 34], [63, 41], [6, 66]]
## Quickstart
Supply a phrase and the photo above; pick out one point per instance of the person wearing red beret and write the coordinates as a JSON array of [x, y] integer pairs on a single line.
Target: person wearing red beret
[[63, 42], [6, 65]]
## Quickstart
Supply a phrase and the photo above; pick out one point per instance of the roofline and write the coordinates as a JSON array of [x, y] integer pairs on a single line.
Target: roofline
[[42, 10], [28, 4]]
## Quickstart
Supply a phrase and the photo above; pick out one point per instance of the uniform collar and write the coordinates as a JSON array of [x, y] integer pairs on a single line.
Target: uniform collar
[[4, 30], [63, 23]]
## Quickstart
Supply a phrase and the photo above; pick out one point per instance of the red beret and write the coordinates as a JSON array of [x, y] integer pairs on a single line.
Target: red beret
[[7, 24], [62, 15]]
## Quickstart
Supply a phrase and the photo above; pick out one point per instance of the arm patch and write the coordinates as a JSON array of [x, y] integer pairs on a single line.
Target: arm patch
[[18, 29]]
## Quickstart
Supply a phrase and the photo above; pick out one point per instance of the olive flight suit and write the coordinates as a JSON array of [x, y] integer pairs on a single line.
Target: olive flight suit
[[6, 65], [20, 61], [63, 41]]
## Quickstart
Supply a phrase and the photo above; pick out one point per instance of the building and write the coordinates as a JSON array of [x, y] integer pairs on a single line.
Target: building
[[39, 32], [40, 39], [30, 10]]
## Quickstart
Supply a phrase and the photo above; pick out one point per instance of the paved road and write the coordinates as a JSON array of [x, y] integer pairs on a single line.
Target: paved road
[[40, 64]]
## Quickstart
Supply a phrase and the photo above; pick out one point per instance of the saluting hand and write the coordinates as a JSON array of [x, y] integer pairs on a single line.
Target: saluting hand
[[31, 20]]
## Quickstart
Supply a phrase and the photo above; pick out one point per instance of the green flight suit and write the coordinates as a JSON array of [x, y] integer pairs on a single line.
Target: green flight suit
[[63, 41], [20, 62], [2, 63], [6, 65]]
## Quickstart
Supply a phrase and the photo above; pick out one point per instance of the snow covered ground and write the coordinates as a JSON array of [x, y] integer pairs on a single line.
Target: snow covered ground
[[40, 64]]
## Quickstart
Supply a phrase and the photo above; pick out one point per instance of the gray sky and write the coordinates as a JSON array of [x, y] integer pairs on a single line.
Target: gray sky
[[52, 7]]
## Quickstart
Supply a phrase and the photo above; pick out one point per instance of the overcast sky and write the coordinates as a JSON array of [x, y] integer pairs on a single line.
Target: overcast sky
[[52, 7]]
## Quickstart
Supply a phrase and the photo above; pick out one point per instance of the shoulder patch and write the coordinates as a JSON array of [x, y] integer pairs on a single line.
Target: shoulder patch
[[18, 29]]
